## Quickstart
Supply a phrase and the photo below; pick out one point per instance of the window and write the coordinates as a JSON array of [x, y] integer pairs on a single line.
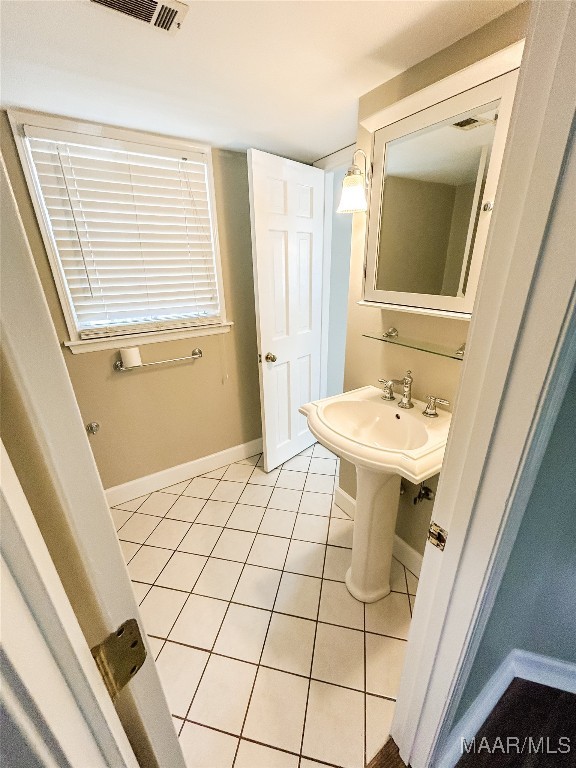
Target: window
[[129, 226]]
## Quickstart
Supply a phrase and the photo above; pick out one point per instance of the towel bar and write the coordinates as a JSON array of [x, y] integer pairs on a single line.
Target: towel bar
[[196, 355]]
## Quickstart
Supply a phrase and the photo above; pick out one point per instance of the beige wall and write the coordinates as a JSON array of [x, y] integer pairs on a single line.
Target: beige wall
[[367, 360], [414, 235], [154, 419]]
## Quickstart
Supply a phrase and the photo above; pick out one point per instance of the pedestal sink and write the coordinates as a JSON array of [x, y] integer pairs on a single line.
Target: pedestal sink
[[384, 443]]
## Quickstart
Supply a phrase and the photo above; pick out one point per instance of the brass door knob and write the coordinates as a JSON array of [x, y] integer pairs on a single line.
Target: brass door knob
[[270, 358]]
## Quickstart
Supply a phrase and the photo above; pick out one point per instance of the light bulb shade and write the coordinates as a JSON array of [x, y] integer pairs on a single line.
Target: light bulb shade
[[353, 192]]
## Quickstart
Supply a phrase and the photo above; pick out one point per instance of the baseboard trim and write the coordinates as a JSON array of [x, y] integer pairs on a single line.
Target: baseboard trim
[[346, 502], [142, 485], [519, 663], [407, 555], [402, 551]]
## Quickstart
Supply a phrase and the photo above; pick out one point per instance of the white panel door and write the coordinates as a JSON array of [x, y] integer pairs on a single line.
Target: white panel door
[[287, 215]]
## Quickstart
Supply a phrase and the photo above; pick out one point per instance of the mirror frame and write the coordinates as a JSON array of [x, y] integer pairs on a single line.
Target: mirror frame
[[502, 88]]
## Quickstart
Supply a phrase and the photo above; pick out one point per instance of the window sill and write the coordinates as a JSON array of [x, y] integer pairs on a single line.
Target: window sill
[[139, 339]]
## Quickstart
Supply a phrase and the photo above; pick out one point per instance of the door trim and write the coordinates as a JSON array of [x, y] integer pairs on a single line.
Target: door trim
[[40, 375], [28, 561], [509, 398]]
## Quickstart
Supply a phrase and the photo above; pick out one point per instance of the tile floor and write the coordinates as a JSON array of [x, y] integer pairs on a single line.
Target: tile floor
[[265, 658]]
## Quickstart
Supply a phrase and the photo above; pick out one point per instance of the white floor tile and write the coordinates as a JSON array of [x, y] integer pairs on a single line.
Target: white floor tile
[[199, 622], [412, 601], [129, 549], [277, 708], [216, 474], [119, 517], [412, 582], [341, 533], [169, 533], [304, 763], [379, 714], [315, 503], [335, 725], [201, 487], [278, 523], [291, 479], [160, 609], [218, 579], [320, 484], [338, 561], [138, 528], [257, 587], [339, 656], [255, 495], [233, 545], [222, 697], [307, 451], [384, 660], [311, 528], [323, 466], [259, 477], [156, 645], [140, 590], [243, 632], [252, 460], [200, 539], [282, 498], [180, 669], [181, 571], [246, 518], [185, 508], [133, 505], [176, 489], [397, 578], [238, 473], [157, 504], [337, 606], [298, 596], [252, 755], [227, 491], [289, 644], [269, 551], [389, 616], [215, 513], [206, 748], [298, 464], [320, 452], [147, 564], [305, 558]]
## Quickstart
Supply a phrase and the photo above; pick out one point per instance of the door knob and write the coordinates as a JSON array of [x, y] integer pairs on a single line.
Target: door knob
[[270, 358]]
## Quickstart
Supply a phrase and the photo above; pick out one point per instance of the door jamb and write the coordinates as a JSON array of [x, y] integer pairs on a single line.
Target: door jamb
[[510, 397]]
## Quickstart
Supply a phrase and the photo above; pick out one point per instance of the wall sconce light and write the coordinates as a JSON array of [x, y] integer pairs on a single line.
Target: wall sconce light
[[355, 187]]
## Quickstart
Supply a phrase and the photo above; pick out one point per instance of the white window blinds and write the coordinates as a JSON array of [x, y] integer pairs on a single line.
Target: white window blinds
[[133, 230]]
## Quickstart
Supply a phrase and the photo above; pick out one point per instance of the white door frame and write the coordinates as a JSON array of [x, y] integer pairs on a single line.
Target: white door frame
[[45, 652], [32, 352], [520, 352]]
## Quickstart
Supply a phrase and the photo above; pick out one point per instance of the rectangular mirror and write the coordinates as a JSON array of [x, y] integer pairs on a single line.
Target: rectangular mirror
[[435, 176]]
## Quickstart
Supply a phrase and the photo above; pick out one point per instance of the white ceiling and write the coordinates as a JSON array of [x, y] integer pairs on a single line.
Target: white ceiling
[[279, 75]]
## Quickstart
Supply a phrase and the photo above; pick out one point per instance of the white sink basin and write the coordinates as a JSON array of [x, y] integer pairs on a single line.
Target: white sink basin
[[373, 433], [384, 443]]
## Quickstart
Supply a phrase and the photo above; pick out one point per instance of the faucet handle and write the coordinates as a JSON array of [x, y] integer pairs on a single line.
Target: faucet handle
[[430, 409], [387, 389]]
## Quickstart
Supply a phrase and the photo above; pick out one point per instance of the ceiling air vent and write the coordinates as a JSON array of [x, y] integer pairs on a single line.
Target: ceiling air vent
[[167, 15]]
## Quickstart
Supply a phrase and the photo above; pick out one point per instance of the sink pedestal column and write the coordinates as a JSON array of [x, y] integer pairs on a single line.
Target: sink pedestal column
[[368, 578]]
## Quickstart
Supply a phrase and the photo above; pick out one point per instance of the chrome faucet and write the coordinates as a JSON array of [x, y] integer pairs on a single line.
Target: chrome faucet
[[405, 383]]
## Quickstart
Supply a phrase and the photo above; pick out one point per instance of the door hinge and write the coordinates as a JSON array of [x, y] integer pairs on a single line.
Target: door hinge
[[120, 656], [437, 535]]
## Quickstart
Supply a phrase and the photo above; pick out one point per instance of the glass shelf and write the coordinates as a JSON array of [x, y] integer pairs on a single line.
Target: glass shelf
[[423, 346]]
